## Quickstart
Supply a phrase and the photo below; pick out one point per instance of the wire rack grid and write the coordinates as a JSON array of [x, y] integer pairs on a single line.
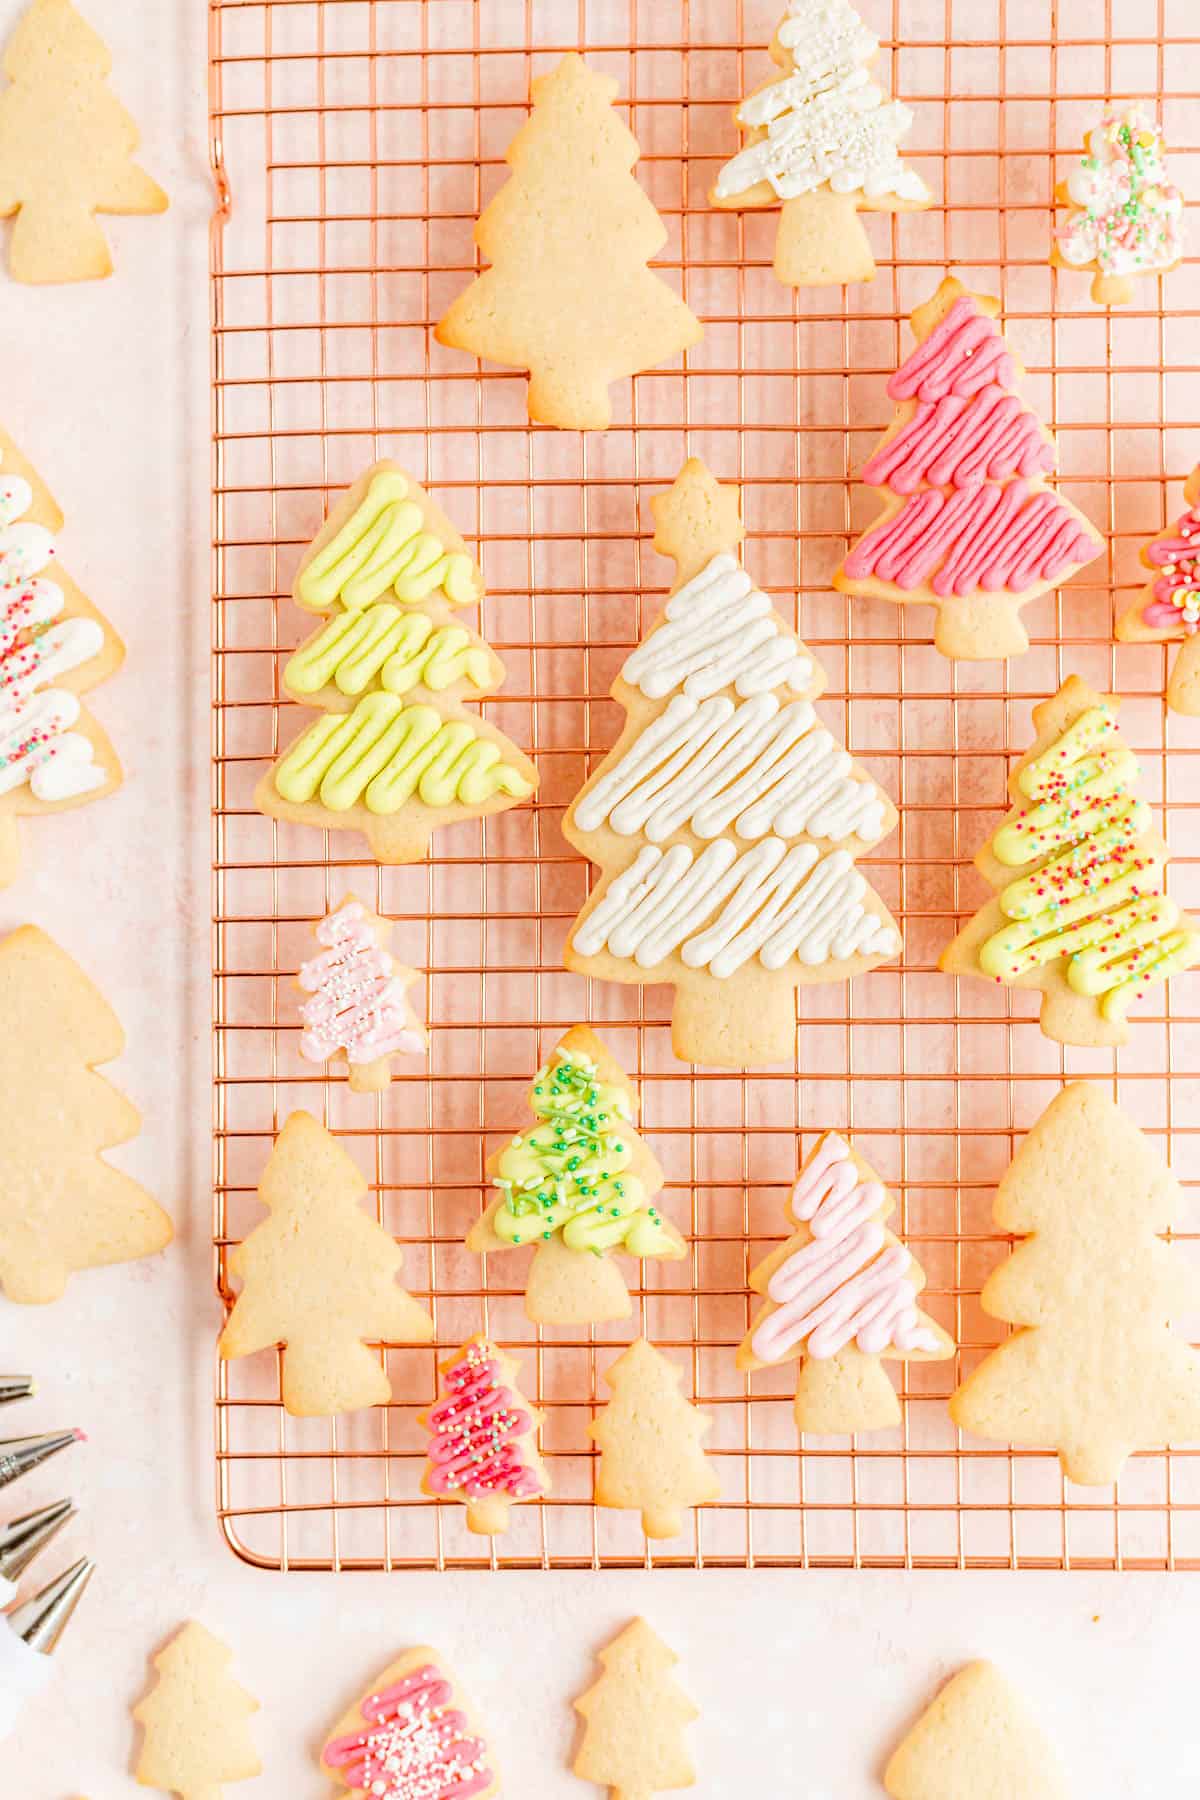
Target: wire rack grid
[[354, 143]]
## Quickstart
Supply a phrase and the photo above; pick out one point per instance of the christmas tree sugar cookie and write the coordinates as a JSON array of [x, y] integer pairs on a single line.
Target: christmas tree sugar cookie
[[977, 1740], [635, 1717], [649, 1437], [1168, 608], [726, 819], [319, 1276], [483, 1438], [1097, 1370], [969, 525], [195, 1720], [1081, 912], [54, 646], [1126, 217], [357, 1011], [823, 139], [840, 1296], [394, 754], [411, 1737], [569, 295], [578, 1186], [62, 1206], [66, 148]]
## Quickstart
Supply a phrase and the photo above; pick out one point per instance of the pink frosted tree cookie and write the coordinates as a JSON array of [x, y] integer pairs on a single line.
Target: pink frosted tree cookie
[[411, 1737], [483, 1438], [1168, 608], [357, 1010]]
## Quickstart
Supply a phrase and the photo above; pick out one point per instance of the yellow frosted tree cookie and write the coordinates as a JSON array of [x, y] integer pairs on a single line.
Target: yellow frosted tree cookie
[[823, 139], [726, 818], [578, 1186], [319, 1277], [54, 646], [635, 1716], [1081, 912], [483, 1438], [66, 148], [840, 1296], [411, 1737], [976, 1740], [650, 1443], [969, 525], [569, 295], [196, 1720], [395, 753], [62, 1206], [357, 1010], [1096, 1369], [1168, 608]]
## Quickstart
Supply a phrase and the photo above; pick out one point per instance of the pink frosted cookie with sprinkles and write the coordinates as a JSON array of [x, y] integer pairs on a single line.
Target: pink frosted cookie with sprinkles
[[483, 1438], [411, 1737], [1126, 216], [969, 525], [358, 1010], [1168, 607]]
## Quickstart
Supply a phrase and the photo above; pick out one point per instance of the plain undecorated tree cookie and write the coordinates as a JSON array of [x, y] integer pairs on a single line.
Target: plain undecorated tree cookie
[[635, 1717], [195, 1720], [66, 148], [976, 1742], [1097, 1370], [650, 1438]]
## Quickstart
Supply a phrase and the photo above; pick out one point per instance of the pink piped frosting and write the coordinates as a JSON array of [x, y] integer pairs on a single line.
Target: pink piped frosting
[[415, 1745]]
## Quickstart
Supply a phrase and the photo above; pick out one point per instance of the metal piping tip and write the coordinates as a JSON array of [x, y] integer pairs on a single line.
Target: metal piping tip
[[40, 1622], [15, 1387], [21, 1541], [19, 1455]]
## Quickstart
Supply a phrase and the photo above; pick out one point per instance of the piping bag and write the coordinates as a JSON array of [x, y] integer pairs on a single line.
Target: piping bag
[[28, 1635], [15, 1387]]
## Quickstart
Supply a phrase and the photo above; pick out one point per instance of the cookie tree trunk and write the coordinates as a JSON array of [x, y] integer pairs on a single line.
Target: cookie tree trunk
[[821, 241]]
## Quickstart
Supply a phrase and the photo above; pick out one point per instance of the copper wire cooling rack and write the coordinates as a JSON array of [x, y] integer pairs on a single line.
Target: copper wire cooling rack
[[354, 143]]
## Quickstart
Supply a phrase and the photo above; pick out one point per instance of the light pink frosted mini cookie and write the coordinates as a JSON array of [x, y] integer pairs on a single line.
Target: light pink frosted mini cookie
[[358, 1008]]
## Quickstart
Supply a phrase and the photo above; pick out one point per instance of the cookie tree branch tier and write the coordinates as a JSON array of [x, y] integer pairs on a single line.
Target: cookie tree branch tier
[[969, 525], [395, 754], [1168, 608], [1081, 913], [569, 295], [54, 646], [319, 1277], [726, 819], [841, 1294], [578, 1186], [976, 1739], [66, 148], [62, 1206], [1096, 1369], [823, 138]]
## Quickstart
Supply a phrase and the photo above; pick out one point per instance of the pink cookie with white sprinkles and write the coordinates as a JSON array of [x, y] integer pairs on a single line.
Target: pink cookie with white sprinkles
[[1168, 607], [411, 1737], [483, 1438], [358, 1010]]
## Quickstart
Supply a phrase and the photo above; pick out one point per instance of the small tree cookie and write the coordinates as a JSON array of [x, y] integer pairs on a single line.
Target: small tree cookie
[[1097, 1370], [395, 754], [62, 1206], [841, 1294], [196, 1720], [54, 646], [1081, 913], [824, 140], [358, 1012], [411, 1737], [1126, 217], [578, 1186], [66, 148], [635, 1716], [976, 1739], [319, 1278], [569, 295], [969, 525], [1169, 606], [650, 1437], [483, 1438], [726, 819]]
